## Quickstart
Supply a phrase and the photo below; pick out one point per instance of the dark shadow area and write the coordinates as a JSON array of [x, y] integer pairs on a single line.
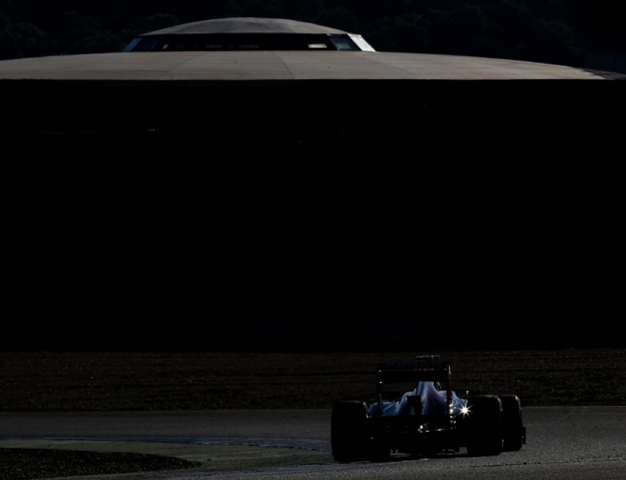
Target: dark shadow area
[[189, 216]]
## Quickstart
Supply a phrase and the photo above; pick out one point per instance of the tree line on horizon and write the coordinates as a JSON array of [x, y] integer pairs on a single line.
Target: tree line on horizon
[[551, 31]]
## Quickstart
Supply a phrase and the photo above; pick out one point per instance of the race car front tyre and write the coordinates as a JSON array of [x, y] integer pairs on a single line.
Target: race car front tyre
[[349, 436], [483, 425]]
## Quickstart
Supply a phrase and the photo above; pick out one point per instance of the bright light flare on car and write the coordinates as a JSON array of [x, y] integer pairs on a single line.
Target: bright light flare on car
[[465, 411]]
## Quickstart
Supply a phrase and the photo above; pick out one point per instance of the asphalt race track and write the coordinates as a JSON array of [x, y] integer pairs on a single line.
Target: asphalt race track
[[563, 443]]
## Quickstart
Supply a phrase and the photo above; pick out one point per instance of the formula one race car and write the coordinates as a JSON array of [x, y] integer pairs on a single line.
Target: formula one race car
[[429, 418]]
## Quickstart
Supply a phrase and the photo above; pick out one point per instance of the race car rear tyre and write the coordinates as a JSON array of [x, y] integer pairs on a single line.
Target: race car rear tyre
[[484, 425], [349, 435], [513, 431]]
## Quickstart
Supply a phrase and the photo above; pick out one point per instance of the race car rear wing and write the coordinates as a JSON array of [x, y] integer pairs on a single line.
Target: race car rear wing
[[424, 369]]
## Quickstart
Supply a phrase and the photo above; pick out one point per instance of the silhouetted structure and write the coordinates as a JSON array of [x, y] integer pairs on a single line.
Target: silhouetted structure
[[317, 198]]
